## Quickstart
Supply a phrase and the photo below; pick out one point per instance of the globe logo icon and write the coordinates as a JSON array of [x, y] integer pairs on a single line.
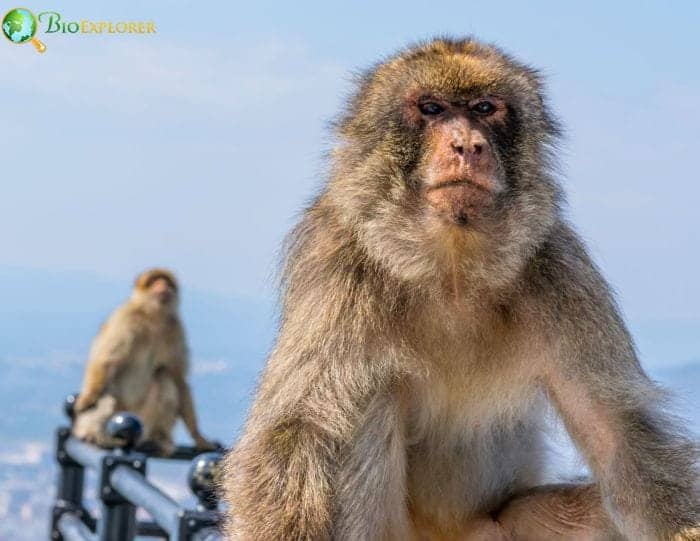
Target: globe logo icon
[[19, 26]]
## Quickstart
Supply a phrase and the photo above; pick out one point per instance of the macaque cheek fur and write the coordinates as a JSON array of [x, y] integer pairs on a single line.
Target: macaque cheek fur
[[435, 305]]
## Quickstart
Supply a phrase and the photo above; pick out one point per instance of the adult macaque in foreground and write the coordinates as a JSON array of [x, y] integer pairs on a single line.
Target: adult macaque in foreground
[[139, 362], [434, 301]]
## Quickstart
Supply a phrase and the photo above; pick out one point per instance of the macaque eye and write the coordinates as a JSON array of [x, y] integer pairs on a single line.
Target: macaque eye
[[431, 108], [483, 108]]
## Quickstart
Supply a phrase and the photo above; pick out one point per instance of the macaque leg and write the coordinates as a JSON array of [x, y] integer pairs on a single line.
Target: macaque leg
[[89, 425], [95, 379], [558, 513], [159, 413]]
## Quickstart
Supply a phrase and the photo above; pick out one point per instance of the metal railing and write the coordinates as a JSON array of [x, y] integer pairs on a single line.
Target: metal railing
[[123, 488]]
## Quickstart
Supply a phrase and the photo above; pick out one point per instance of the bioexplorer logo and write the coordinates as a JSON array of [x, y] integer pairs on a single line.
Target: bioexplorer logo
[[19, 25]]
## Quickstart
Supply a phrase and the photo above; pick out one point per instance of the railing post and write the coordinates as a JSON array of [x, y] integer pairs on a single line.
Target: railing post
[[71, 474], [118, 521], [201, 522], [123, 487]]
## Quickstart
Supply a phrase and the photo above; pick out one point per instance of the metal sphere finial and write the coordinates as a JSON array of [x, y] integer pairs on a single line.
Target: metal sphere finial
[[203, 478], [126, 427], [69, 405]]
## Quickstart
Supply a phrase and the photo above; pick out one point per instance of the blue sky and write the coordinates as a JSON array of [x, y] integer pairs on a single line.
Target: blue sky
[[196, 147]]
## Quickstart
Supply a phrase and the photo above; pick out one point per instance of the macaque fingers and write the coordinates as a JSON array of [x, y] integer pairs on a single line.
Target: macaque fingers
[[558, 513]]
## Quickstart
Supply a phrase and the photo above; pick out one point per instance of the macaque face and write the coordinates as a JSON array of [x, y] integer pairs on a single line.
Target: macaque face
[[156, 289], [162, 291], [448, 138], [459, 174]]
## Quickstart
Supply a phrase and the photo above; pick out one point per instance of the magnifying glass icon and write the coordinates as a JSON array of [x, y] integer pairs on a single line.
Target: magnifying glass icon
[[19, 26]]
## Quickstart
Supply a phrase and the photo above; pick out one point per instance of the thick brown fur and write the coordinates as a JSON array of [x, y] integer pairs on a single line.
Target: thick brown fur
[[139, 362], [420, 342]]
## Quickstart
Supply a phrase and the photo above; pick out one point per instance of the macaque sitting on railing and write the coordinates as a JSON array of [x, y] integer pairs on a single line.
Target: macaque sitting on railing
[[138, 362]]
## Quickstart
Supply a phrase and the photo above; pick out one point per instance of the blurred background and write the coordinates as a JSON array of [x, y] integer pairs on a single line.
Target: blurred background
[[196, 148]]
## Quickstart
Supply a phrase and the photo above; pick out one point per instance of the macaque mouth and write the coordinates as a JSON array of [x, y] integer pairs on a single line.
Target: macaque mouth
[[164, 297], [459, 182], [461, 200]]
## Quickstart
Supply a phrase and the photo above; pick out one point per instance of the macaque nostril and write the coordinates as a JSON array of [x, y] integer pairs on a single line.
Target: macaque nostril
[[477, 149], [459, 149]]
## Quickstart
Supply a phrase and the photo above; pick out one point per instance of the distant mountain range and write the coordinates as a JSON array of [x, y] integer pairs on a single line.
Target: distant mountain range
[[47, 321], [44, 312]]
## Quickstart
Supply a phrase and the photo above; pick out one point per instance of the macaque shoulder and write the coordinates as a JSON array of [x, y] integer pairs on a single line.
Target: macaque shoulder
[[561, 272], [565, 295], [122, 333]]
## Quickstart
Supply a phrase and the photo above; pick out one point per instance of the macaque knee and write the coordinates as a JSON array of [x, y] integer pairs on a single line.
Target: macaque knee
[[89, 425], [558, 513]]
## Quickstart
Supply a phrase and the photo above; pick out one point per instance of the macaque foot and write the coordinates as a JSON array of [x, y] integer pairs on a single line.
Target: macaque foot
[[156, 448], [203, 444], [103, 441]]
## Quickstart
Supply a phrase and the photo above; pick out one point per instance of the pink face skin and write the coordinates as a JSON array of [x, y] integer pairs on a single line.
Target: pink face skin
[[459, 172], [162, 290]]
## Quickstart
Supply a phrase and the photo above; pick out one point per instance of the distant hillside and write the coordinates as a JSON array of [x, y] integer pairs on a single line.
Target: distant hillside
[[47, 321], [43, 313]]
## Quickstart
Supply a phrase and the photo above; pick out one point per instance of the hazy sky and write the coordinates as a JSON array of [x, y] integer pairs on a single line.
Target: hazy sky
[[195, 147]]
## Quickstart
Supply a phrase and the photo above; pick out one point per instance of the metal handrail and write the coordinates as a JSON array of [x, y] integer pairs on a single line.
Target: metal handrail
[[73, 529], [123, 487], [83, 453], [135, 488]]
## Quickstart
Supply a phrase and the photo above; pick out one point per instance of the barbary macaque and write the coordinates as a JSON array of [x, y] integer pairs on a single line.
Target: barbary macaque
[[138, 363], [435, 305]]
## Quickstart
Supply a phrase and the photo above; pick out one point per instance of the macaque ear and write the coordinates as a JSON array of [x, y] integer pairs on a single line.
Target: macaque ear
[[533, 99], [140, 282]]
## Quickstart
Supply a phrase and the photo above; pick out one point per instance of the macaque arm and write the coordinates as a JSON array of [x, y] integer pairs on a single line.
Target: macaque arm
[[186, 406], [645, 468], [374, 466], [319, 436], [644, 465], [111, 351], [178, 369]]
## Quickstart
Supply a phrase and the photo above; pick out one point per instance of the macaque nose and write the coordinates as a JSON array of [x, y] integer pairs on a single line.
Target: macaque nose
[[161, 287], [472, 145], [162, 290], [466, 142]]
